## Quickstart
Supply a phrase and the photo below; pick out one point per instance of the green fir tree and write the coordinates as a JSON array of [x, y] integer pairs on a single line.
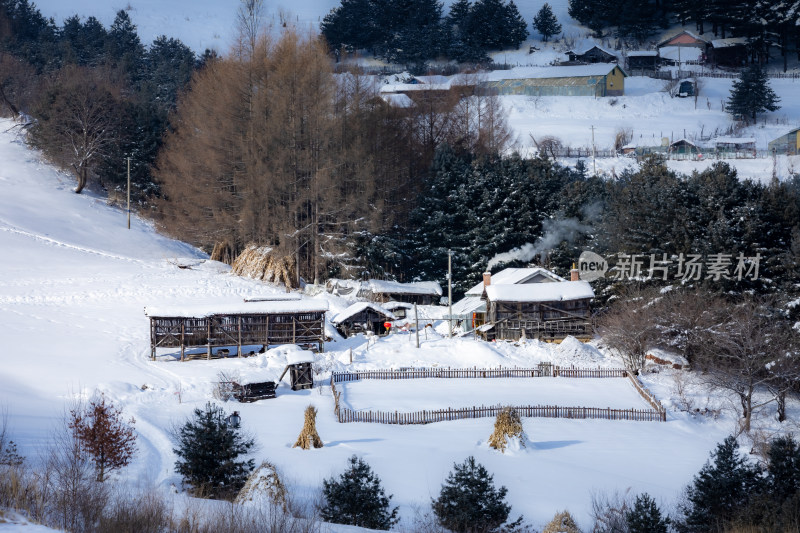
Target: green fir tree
[[751, 94], [545, 22]]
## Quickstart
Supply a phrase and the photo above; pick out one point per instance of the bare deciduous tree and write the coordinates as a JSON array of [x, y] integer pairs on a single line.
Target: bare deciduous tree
[[630, 326]]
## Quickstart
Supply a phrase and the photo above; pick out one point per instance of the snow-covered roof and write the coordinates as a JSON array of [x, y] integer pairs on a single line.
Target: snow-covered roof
[[244, 308], [413, 87], [677, 35], [521, 73], [540, 292], [469, 305], [727, 43], [296, 357], [581, 51], [400, 100], [357, 308], [684, 141], [643, 53], [278, 297], [734, 140], [513, 276], [391, 306], [395, 287], [685, 53]]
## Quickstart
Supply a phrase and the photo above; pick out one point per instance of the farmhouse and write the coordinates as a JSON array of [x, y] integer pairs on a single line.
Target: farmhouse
[[544, 311], [599, 79], [362, 317], [788, 143], [263, 323], [683, 47], [470, 312], [595, 54]]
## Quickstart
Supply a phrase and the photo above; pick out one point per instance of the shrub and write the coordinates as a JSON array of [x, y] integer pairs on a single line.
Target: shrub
[[469, 501], [209, 448], [357, 498], [645, 517]]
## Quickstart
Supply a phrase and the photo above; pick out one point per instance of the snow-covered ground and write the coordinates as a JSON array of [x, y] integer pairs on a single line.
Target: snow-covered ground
[[73, 286]]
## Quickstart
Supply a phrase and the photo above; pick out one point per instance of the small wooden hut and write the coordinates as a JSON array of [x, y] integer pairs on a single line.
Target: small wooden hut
[[545, 311], [362, 317], [265, 323], [299, 364], [416, 292], [684, 149], [593, 54]]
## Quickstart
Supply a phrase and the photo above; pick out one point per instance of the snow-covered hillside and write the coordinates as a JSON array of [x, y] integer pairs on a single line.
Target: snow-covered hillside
[[72, 291]]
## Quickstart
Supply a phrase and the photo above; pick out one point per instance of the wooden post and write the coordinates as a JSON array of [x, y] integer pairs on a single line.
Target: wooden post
[[152, 340], [183, 346], [208, 338], [239, 351]]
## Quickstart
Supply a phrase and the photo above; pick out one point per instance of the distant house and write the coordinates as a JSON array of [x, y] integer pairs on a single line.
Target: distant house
[[642, 60], [595, 54], [381, 291], [685, 149], [470, 311], [599, 79], [362, 317], [398, 309], [788, 143], [728, 52], [682, 48], [735, 147], [544, 311]]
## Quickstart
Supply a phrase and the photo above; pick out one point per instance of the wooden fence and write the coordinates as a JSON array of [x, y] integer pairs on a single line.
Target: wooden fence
[[343, 414]]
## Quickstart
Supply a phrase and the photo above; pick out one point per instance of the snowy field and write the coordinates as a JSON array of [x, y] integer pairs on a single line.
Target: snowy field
[[405, 395], [73, 286]]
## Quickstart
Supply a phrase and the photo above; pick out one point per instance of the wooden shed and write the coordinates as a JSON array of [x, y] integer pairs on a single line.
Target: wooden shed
[[598, 80], [416, 292], [545, 311], [265, 323], [728, 52], [362, 317], [684, 149], [594, 54], [735, 147], [299, 364], [642, 60], [786, 144]]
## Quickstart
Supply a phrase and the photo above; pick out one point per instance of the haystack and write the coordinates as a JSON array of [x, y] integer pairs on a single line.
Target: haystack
[[224, 252], [309, 436], [265, 264], [507, 426], [264, 486], [562, 523]]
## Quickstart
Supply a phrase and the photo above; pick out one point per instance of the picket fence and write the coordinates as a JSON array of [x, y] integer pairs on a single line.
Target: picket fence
[[344, 415]]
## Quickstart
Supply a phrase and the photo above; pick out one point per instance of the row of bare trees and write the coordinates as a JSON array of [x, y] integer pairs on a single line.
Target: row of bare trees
[[270, 146], [742, 346]]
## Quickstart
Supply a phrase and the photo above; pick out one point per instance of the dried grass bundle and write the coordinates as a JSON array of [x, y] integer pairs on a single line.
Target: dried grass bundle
[[263, 263], [223, 252], [508, 425], [264, 485], [309, 436]]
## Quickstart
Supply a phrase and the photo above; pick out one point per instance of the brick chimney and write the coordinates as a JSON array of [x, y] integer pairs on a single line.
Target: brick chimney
[[487, 279], [574, 274]]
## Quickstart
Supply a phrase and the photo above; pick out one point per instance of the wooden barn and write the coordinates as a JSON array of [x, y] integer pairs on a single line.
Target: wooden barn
[[362, 317], [416, 292], [598, 80], [595, 54], [642, 60], [684, 149], [470, 311], [544, 311], [728, 52], [788, 144], [264, 323]]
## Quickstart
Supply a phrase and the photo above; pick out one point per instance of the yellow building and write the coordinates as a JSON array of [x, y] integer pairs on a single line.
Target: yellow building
[[599, 79]]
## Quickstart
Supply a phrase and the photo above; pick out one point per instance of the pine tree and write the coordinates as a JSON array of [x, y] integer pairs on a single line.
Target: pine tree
[[751, 94], [357, 499], [125, 50], [645, 516], [721, 488], [783, 469], [545, 22], [469, 501], [515, 27], [108, 439], [209, 447]]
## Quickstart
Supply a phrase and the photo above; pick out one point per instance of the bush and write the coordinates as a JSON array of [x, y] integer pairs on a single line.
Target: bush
[[208, 447], [357, 499], [469, 501], [645, 517]]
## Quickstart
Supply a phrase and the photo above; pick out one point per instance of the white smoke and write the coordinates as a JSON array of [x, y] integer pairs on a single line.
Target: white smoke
[[555, 232]]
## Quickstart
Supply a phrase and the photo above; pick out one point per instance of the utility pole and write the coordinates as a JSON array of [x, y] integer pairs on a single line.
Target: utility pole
[[449, 293], [129, 193], [416, 326], [594, 159]]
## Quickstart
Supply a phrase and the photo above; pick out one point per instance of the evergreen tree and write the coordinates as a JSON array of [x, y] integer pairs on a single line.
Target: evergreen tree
[[351, 25], [514, 26], [594, 14], [469, 501], [751, 94], [357, 499], [124, 49], [645, 516], [460, 36], [209, 447], [545, 22], [783, 469], [637, 20], [721, 488]]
